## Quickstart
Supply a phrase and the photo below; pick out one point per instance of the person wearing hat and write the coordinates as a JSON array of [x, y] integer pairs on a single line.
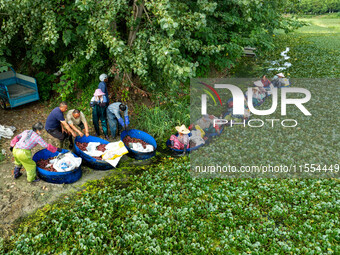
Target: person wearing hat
[[57, 126], [114, 116], [277, 80], [181, 142], [98, 104], [21, 146], [103, 85], [77, 121], [265, 81]]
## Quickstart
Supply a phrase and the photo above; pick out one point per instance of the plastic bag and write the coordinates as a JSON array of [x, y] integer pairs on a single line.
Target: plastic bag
[[139, 147], [114, 152], [92, 151], [7, 131], [66, 162]]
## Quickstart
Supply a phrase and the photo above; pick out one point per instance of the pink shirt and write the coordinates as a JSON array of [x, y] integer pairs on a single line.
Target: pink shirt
[[21, 142]]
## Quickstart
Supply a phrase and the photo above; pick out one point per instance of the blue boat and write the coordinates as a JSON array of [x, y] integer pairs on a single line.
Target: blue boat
[[135, 133], [56, 177], [177, 151], [96, 164]]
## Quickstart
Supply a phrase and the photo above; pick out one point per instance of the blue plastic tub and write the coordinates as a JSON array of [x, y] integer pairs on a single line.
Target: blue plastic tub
[[56, 177], [88, 160], [135, 133], [168, 144]]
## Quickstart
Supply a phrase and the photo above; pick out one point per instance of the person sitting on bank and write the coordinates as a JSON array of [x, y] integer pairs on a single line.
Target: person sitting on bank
[[98, 104], [57, 126], [103, 86], [181, 142], [21, 146], [114, 116], [77, 121], [265, 81], [278, 80]]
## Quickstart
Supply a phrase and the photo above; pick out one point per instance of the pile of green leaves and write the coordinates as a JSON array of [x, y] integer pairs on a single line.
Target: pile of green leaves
[[165, 210]]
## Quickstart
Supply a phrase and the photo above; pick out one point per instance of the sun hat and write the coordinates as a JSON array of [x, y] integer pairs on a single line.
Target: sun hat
[[98, 93], [182, 129], [281, 75], [102, 77], [258, 83]]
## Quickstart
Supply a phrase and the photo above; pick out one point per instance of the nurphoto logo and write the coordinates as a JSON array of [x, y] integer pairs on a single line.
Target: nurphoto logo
[[240, 101]]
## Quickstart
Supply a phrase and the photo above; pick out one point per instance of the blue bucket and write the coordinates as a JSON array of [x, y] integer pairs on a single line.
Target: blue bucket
[[88, 160], [56, 177], [135, 133]]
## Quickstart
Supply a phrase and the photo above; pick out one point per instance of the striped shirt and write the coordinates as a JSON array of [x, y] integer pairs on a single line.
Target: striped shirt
[[31, 142]]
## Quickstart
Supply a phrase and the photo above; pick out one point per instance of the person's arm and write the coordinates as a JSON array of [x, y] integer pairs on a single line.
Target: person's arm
[[39, 140], [93, 102], [118, 116], [126, 117], [102, 87], [86, 128], [84, 121], [104, 103], [70, 123], [67, 127], [76, 129], [15, 140]]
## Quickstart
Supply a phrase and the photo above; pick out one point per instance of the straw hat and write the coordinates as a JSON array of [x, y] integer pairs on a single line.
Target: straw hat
[[280, 75], [98, 93], [182, 129]]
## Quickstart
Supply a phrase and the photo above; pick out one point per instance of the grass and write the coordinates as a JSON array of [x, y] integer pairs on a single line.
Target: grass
[[320, 25], [161, 120]]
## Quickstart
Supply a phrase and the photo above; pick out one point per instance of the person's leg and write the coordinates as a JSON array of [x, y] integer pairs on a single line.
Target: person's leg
[[112, 120], [18, 165], [95, 119], [57, 133], [103, 120], [25, 157]]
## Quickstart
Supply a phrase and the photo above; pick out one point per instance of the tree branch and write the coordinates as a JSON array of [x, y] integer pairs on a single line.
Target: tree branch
[[133, 85], [147, 15]]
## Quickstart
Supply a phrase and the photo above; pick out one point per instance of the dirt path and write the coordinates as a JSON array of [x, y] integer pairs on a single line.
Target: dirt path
[[18, 197]]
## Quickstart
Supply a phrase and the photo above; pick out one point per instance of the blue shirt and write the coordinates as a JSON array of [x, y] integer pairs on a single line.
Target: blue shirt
[[102, 87], [114, 108], [53, 120]]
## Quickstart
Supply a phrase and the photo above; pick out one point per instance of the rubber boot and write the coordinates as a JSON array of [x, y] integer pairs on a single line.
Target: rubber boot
[[71, 142], [17, 172]]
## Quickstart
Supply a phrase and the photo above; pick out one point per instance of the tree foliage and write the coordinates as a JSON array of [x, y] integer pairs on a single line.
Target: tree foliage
[[317, 7], [162, 42]]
